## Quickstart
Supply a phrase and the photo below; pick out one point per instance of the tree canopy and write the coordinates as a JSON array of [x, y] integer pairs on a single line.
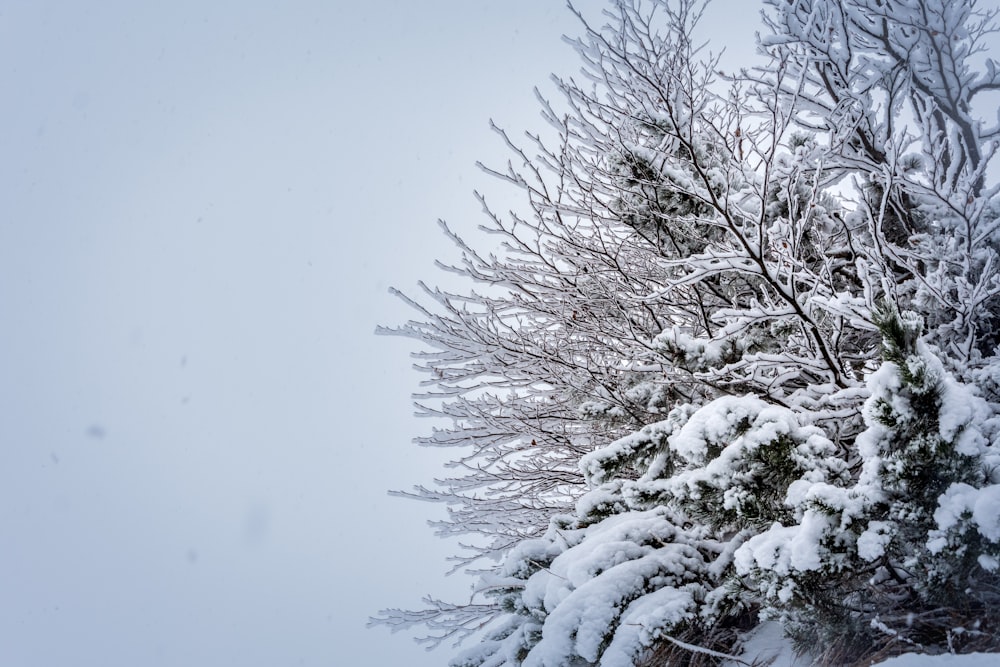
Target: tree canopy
[[735, 359]]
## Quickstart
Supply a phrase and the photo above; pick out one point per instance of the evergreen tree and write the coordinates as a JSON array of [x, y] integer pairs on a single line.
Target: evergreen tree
[[737, 358], [882, 561]]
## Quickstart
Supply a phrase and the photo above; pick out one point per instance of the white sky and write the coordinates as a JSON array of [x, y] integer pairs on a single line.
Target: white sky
[[202, 205]]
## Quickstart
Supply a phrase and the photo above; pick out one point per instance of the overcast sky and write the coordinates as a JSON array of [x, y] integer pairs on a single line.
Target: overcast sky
[[202, 205]]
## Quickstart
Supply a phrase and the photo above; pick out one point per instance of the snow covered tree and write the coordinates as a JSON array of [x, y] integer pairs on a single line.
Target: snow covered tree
[[737, 357], [882, 561]]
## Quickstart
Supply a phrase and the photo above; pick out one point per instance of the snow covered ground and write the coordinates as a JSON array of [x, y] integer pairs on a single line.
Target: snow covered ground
[[767, 645], [970, 660]]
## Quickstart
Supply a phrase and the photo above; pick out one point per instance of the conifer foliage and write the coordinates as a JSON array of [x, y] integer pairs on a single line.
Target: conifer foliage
[[736, 358]]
